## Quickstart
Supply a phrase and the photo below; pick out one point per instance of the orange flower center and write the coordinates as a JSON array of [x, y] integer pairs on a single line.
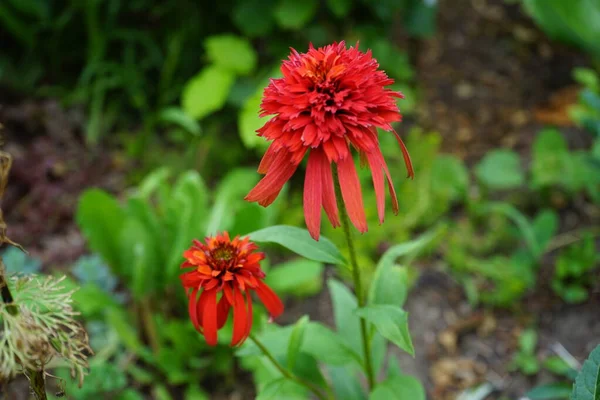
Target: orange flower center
[[223, 253]]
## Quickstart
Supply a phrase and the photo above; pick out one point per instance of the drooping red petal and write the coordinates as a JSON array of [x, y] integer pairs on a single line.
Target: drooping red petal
[[378, 183], [313, 193], [222, 311], [192, 304], [209, 317], [351, 193], [329, 198], [250, 316], [279, 173], [381, 161], [239, 317], [270, 299], [267, 160], [407, 161]]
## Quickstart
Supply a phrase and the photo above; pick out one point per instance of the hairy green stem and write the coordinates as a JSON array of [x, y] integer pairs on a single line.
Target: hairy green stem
[[355, 278], [286, 373]]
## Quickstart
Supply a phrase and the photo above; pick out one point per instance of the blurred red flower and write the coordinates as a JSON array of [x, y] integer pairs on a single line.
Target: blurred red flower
[[231, 267], [329, 99]]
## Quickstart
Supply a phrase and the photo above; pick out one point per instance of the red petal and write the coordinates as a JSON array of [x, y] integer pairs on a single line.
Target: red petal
[[351, 193], [313, 193], [239, 317], [379, 159], [268, 297], [378, 182], [329, 199], [407, 161], [249, 319], [222, 311], [192, 304], [209, 316], [279, 173], [267, 160]]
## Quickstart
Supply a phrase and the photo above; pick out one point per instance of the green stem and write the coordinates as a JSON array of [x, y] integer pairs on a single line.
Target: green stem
[[149, 326], [286, 373], [355, 278]]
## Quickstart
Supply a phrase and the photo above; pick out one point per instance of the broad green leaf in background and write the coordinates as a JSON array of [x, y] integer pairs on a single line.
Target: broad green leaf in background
[[551, 163], [299, 277], [402, 387], [155, 181], [500, 170], [139, 258], [344, 305], [282, 388], [254, 17], [18, 262], [249, 121], [340, 8], [120, 322], [292, 14], [176, 116], [101, 219], [550, 391], [327, 346], [231, 52], [391, 322], [545, 226], [207, 92], [228, 197], [296, 339], [449, 178], [587, 384], [299, 241], [345, 383]]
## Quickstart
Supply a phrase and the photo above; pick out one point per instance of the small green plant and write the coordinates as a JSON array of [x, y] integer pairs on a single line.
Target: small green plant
[[572, 275], [587, 383], [525, 359]]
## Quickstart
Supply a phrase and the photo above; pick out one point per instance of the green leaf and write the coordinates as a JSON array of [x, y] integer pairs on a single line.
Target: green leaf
[[344, 305], [390, 283], [207, 92], [299, 277], [391, 322], [528, 341], [176, 116], [550, 391], [345, 384], [403, 387], [271, 389], [296, 340], [228, 198], [254, 17], [101, 220], [587, 384], [153, 182], [299, 241], [120, 322], [339, 8], [449, 178], [291, 14], [545, 226], [17, 261], [249, 121], [588, 78], [232, 53], [551, 164], [92, 301], [500, 170], [139, 254], [327, 346]]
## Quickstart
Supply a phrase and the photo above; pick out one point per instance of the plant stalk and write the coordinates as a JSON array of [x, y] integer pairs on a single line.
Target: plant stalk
[[345, 221], [38, 384], [148, 324], [286, 373]]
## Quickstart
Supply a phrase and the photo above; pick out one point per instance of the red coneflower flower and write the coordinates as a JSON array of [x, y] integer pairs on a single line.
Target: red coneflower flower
[[233, 268], [328, 99]]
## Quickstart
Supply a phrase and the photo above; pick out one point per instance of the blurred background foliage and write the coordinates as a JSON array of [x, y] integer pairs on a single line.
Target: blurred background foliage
[[175, 86]]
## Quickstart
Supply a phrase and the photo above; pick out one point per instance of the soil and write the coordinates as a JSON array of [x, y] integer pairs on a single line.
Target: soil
[[488, 78]]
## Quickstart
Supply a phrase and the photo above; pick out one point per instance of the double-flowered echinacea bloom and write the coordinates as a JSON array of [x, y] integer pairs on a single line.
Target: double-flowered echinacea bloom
[[330, 100], [231, 269]]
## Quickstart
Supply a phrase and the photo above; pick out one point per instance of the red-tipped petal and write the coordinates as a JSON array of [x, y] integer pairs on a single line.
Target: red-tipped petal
[[329, 199], [351, 193], [222, 311], [313, 194], [378, 182], [267, 160], [268, 297], [239, 317], [192, 304], [279, 173], [407, 161], [209, 317]]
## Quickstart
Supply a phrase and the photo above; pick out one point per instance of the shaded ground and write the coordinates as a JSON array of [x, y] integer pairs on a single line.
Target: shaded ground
[[488, 79]]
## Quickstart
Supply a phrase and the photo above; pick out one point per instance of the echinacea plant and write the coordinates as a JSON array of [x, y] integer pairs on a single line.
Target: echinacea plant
[[329, 101]]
